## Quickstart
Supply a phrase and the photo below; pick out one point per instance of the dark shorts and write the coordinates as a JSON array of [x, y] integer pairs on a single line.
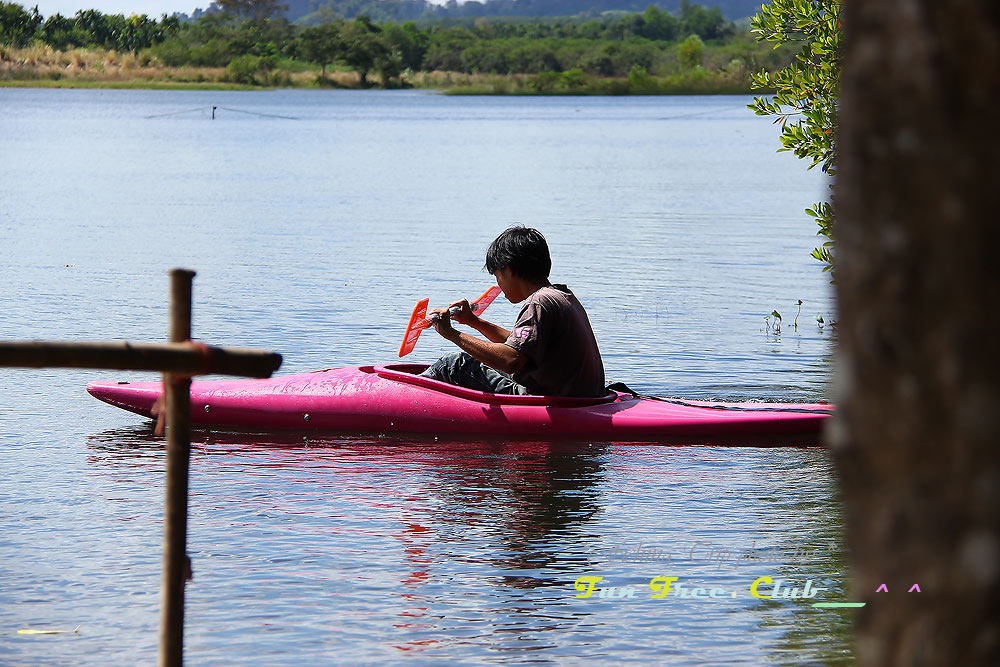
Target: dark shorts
[[462, 369]]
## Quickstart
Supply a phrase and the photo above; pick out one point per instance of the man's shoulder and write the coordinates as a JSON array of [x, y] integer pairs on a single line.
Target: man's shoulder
[[558, 295]]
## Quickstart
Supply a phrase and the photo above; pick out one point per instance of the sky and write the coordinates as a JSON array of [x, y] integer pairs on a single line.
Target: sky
[[152, 8]]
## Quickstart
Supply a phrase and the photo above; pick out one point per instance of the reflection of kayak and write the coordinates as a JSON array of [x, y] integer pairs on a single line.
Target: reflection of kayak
[[394, 399]]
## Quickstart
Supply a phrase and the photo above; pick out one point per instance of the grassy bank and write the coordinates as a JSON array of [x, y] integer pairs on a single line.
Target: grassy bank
[[575, 82], [44, 67]]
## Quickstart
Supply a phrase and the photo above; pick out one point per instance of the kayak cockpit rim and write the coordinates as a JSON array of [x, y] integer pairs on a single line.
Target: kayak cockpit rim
[[410, 374]]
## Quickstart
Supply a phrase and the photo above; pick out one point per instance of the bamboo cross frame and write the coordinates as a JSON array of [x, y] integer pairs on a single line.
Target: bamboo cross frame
[[180, 359]]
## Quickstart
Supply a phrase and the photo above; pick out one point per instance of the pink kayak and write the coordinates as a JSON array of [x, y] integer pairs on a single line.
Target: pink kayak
[[394, 399]]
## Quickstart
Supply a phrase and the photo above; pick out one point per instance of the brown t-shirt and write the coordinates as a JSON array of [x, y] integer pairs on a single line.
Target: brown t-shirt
[[554, 333]]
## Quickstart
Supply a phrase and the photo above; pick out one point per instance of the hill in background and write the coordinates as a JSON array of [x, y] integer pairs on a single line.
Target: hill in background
[[310, 12]]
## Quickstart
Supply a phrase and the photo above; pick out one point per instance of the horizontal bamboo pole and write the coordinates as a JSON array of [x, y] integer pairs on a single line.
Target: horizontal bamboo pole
[[181, 358]]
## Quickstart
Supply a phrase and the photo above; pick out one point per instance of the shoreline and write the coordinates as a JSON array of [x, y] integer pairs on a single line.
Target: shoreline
[[499, 90], [98, 69], [137, 84]]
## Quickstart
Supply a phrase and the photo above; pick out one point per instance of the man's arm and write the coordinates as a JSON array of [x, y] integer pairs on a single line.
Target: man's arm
[[493, 332], [494, 354]]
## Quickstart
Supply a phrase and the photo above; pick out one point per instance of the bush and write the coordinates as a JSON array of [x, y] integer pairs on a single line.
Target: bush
[[691, 51], [243, 69], [172, 53], [278, 79], [544, 82], [213, 53], [639, 81]]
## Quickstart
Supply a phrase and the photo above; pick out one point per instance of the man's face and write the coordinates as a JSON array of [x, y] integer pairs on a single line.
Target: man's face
[[505, 280]]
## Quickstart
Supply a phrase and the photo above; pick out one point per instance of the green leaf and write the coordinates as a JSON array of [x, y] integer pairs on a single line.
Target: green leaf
[[806, 89]]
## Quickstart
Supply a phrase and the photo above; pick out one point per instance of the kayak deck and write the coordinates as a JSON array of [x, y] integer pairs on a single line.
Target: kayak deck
[[393, 398]]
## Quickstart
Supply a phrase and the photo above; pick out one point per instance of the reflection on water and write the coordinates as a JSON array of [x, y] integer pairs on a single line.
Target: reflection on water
[[458, 550]]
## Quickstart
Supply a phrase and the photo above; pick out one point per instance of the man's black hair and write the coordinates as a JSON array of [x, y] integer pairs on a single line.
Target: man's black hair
[[524, 250]]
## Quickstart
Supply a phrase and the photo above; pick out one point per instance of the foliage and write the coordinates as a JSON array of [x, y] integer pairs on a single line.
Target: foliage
[[60, 32], [408, 42], [706, 23], [621, 53], [320, 44], [772, 323], [245, 68], [691, 51], [806, 90], [216, 39], [658, 24], [88, 28], [17, 26], [364, 49]]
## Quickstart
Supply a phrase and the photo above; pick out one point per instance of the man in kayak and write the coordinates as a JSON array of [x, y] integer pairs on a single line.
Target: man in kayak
[[551, 350]]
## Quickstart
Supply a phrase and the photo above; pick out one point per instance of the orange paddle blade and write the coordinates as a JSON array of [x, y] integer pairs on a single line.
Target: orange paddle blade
[[417, 324], [483, 302]]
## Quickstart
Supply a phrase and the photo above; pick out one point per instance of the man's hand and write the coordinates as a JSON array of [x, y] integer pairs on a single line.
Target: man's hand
[[441, 319], [461, 312]]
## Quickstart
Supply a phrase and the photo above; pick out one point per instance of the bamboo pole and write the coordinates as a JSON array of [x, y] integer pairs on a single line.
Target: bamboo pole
[[185, 358], [178, 395]]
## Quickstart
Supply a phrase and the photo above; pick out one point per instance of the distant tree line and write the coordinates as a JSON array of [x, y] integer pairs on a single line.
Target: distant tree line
[[309, 12], [247, 39], [89, 28]]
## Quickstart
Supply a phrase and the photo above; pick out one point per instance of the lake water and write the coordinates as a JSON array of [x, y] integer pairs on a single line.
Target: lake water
[[315, 219]]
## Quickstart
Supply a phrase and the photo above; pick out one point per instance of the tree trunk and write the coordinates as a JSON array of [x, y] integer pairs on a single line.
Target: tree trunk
[[917, 435]]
